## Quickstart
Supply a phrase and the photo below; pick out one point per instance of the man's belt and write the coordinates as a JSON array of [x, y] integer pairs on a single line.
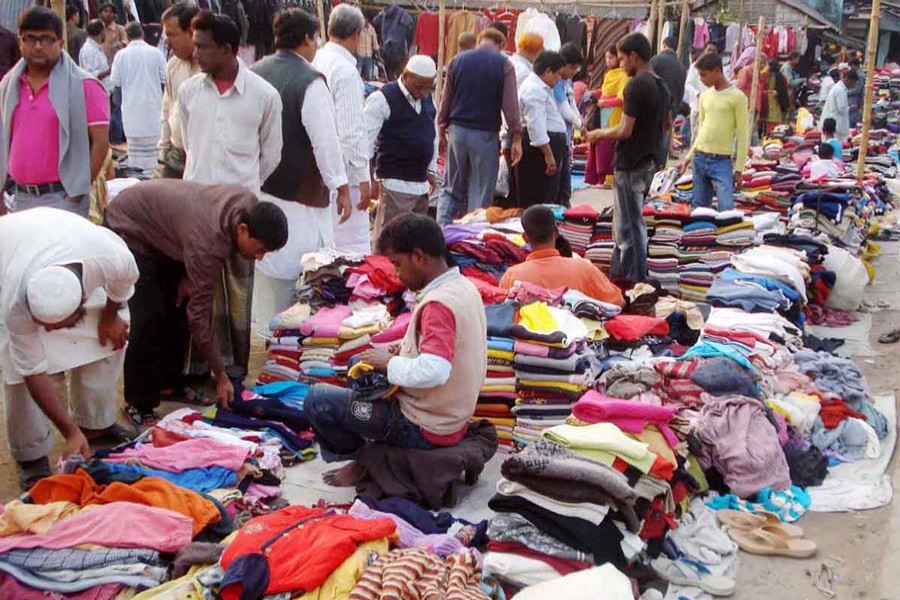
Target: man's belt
[[40, 189]]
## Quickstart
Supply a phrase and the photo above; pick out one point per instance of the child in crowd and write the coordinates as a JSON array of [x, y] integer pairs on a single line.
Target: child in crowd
[[609, 97], [829, 136], [826, 167]]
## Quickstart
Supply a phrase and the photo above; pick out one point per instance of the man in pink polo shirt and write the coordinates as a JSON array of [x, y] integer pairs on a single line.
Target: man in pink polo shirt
[[54, 121]]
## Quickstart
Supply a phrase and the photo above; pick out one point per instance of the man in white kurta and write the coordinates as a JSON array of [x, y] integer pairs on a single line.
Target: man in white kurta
[[337, 62], [64, 284], [837, 105], [140, 70]]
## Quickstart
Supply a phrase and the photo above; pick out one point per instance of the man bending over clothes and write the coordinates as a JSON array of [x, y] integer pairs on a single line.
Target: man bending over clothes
[[182, 233], [547, 268], [439, 366]]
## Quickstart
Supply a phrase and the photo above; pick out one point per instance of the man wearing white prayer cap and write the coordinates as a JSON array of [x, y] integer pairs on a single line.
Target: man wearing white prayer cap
[[64, 284], [400, 122]]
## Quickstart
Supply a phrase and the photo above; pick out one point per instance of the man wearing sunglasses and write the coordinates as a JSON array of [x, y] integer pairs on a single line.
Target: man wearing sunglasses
[[54, 121]]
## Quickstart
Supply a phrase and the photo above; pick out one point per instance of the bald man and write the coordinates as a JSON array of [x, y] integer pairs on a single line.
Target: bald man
[[402, 140]]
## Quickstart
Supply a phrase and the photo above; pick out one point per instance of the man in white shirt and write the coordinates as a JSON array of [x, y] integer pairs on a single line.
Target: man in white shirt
[[176, 22], [402, 141], [337, 62], [64, 283], [528, 47], [311, 167], [92, 58], [140, 70], [230, 121], [230, 117], [837, 104]]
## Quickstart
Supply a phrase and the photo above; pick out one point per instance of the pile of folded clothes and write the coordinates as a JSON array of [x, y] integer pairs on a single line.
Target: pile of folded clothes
[[577, 226]]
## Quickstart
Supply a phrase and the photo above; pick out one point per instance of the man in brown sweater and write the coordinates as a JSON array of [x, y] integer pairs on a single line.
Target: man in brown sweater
[[181, 234], [439, 366]]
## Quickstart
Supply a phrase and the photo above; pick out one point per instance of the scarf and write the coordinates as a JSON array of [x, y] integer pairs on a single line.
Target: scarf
[[67, 97]]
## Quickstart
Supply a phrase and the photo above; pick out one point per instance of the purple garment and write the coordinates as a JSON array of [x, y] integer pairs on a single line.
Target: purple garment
[[742, 444], [10, 588], [458, 233], [410, 537], [327, 322]]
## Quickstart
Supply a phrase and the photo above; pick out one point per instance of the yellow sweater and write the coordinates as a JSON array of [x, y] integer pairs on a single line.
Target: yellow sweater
[[724, 125]]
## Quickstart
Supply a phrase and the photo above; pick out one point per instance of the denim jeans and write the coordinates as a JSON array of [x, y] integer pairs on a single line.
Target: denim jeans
[[366, 65], [713, 171], [344, 424], [629, 259], [473, 161]]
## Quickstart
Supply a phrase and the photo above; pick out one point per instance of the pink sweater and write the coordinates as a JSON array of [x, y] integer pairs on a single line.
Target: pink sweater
[[627, 415]]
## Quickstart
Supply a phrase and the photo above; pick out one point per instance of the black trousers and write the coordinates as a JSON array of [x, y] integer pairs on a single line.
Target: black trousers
[[159, 334], [532, 182]]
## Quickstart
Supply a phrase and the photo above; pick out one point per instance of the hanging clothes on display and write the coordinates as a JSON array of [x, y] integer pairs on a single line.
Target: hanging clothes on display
[[396, 28], [427, 34], [459, 22]]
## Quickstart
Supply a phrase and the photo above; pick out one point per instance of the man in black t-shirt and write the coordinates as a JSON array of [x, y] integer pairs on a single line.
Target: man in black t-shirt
[[646, 111], [669, 68]]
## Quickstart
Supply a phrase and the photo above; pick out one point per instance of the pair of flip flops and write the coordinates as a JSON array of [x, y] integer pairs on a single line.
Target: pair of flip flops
[[763, 533]]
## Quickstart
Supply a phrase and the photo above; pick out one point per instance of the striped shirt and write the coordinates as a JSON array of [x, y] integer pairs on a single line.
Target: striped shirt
[[339, 68], [368, 42]]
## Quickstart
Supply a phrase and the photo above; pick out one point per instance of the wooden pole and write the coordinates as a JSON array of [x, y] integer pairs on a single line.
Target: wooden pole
[[59, 7], [682, 28], [651, 23], [754, 89], [660, 24], [871, 51], [439, 82], [320, 13]]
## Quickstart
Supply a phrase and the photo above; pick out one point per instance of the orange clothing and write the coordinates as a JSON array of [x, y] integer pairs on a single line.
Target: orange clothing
[[81, 489], [549, 270]]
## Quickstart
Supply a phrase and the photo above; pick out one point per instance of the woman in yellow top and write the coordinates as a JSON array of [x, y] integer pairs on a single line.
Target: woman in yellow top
[[609, 98], [778, 109]]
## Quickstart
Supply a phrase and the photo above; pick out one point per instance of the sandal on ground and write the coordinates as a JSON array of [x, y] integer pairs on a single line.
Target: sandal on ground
[[189, 395], [32, 471], [892, 337], [140, 419], [115, 435], [770, 541], [737, 519], [687, 572]]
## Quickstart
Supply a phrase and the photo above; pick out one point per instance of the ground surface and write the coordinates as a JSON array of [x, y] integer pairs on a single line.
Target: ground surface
[[861, 548]]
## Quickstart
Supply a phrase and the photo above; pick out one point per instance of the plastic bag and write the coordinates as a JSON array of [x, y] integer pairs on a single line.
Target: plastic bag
[[501, 190], [532, 21], [852, 278], [805, 120]]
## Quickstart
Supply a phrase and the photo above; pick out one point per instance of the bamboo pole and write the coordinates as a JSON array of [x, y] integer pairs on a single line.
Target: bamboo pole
[[754, 89], [320, 13], [660, 24], [651, 23], [682, 28], [871, 51], [439, 82], [59, 7]]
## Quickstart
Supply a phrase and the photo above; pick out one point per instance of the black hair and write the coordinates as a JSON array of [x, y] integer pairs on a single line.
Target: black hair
[[852, 75], [835, 74], [223, 30], [794, 55], [548, 60], [781, 87], [71, 11], [612, 50], [571, 54], [499, 26], [266, 222], [563, 247], [95, 27], [40, 18], [854, 62], [829, 126], [413, 232], [106, 5], [292, 27], [670, 42], [539, 224], [708, 62], [182, 11], [134, 31], [826, 151], [636, 43]]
